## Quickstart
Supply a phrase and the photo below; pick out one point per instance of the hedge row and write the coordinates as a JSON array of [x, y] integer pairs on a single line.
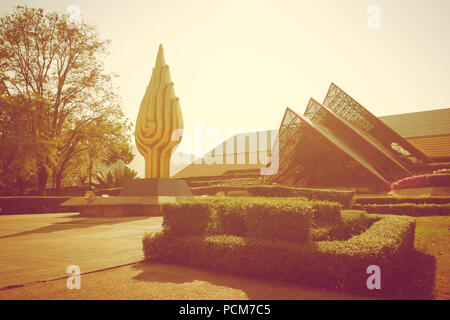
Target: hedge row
[[287, 221], [280, 218], [342, 197], [398, 200], [407, 209], [332, 264], [233, 181], [354, 222], [423, 181], [27, 205], [213, 190]]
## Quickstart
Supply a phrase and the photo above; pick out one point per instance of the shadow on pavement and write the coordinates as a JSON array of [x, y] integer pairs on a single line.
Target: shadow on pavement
[[254, 288], [76, 223], [417, 281]]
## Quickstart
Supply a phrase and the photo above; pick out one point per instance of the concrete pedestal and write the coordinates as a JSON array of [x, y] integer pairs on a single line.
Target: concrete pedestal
[[141, 197]]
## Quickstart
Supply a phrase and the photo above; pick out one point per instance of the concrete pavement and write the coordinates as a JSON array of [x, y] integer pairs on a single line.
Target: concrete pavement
[[169, 282], [40, 247], [35, 251]]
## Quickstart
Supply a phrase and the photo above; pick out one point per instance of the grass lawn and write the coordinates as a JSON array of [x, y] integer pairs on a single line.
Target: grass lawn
[[433, 241]]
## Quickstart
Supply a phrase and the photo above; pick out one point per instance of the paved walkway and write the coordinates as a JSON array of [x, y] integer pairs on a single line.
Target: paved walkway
[[167, 282], [35, 250], [41, 246]]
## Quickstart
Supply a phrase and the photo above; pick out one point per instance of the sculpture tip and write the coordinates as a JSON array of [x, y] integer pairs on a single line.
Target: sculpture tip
[[160, 58]]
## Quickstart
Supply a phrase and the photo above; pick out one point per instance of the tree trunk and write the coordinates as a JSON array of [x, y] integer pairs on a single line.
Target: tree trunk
[[90, 173], [58, 182], [42, 180], [20, 186]]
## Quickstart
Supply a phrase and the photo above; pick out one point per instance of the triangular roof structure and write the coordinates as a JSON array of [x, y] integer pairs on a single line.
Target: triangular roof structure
[[310, 155], [340, 143], [365, 123], [361, 144]]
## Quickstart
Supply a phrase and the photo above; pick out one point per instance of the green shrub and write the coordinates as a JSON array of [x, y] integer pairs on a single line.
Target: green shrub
[[189, 217], [279, 220], [228, 215], [342, 197], [234, 181], [397, 200], [213, 190], [332, 264], [326, 213], [352, 223], [407, 209]]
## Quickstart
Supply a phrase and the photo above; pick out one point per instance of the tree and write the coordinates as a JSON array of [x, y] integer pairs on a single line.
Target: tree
[[24, 141], [42, 59], [117, 177]]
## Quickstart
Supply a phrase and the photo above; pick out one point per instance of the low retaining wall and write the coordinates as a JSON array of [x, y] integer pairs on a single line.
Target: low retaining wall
[[34, 204]]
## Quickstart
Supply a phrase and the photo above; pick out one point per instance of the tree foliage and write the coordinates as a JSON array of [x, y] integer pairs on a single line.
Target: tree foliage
[[56, 97], [118, 177]]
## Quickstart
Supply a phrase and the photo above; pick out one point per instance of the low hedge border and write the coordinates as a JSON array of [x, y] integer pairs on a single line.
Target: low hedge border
[[344, 198], [354, 222], [407, 209], [34, 205], [213, 190], [280, 218], [338, 265], [232, 181], [399, 200]]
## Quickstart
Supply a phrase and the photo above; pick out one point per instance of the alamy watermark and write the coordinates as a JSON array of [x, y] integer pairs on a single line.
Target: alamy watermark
[[74, 280], [256, 147], [373, 17], [374, 281], [74, 20]]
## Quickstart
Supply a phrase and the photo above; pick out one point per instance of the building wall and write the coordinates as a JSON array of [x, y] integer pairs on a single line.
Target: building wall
[[436, 147]]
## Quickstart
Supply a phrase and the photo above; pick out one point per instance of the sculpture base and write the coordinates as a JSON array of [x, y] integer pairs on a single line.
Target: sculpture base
[[156, 187], [141, 197]]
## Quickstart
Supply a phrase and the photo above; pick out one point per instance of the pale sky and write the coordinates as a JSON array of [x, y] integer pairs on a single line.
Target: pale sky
[[238, 64]]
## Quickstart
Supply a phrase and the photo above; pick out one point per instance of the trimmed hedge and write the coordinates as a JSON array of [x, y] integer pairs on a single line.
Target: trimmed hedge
[[213, 190], [423, 181], [279, 220], [229, 181], [332, 264], [276, 218], [34, 204], [398, 200], [407, 209], [228, 216], [189, 217], [326, 213], [354, 222], [342, 197]]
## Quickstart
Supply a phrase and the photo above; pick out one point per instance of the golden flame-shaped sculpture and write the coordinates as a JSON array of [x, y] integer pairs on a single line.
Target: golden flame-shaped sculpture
[[159, 117]]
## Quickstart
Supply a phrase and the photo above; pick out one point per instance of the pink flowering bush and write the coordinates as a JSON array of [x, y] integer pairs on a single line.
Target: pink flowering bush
[[423, 181]]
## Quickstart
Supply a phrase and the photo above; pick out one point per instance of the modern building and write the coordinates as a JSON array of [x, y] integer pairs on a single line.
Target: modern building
[[338, 143], [241, 155], [429, 131]]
